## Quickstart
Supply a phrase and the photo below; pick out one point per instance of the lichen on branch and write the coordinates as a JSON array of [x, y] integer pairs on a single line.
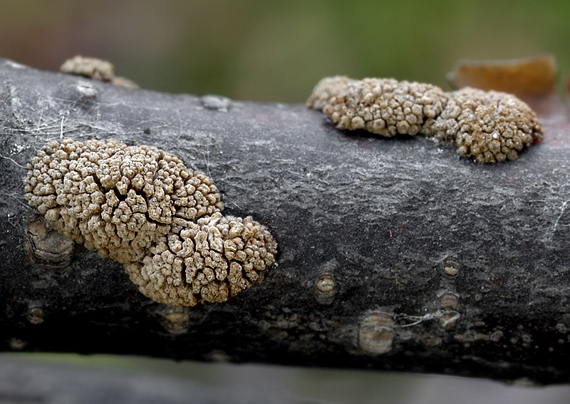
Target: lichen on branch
[[489, 126], [142, 207]]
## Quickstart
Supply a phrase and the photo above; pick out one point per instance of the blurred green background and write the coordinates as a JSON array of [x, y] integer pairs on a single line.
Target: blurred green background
[[278, 50]]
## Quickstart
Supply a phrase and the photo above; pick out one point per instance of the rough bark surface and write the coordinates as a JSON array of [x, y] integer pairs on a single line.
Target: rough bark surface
[[394, 254]]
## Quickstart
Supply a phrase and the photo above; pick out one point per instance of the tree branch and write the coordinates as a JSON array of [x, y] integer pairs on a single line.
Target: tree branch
[[394, 254]]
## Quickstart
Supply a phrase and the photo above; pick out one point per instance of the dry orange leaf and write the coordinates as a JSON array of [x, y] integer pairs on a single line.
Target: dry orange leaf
[[533, 80]]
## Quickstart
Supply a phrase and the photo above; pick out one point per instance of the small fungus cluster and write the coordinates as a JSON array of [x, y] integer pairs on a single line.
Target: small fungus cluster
[[489, 126], [142, 207], [95, 69], [384, 107], [214, 257]]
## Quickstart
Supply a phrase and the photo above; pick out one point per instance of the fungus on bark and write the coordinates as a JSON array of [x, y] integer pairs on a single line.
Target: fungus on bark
[[487, 125], [95, 69], [210, 260], [381, 106], [137, 205]]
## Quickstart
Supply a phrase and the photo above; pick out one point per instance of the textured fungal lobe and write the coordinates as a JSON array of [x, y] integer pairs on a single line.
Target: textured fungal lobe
[[381, 106], [134, 205], [207, 261], [489, 126], [95, 69], [327, 89], [113, 198]]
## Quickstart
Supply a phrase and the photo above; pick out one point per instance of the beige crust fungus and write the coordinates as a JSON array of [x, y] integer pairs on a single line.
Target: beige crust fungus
[[213, 258], [95, 69], [487, 125], [144, 208], [381, 106]]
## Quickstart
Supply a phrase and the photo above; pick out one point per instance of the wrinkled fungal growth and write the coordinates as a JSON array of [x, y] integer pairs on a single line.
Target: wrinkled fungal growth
[[144, 208], [95, 69], [487, 125], [213, 258], [381, 106]]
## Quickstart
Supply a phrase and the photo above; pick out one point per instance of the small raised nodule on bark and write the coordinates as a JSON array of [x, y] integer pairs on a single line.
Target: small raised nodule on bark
[[489, 126], [376, 333], [142, 207], [47, 248]]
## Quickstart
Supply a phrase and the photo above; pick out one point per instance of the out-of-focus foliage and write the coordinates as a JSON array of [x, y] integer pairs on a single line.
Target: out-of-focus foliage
[[277, 50]]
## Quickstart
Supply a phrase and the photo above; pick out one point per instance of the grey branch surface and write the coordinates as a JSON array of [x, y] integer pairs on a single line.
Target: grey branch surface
[[394, 254], [26, 381]]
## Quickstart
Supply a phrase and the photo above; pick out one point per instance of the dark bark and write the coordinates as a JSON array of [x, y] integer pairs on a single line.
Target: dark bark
[[394, 254]]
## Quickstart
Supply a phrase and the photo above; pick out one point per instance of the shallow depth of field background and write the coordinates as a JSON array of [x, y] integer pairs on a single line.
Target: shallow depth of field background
[[276, 51], [263, 50]]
